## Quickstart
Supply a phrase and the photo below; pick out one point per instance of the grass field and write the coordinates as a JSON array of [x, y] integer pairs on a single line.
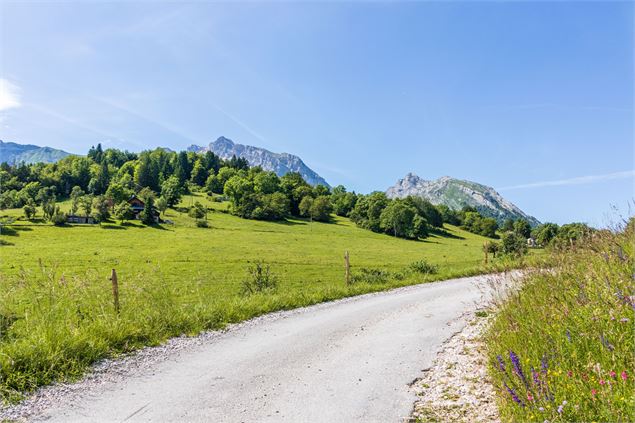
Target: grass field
[[56, 313]]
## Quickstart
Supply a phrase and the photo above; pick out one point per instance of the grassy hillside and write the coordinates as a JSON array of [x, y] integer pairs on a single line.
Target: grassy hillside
[[56, 313], [562, 348]]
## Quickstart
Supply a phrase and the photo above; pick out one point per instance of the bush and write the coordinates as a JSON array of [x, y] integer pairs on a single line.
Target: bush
[[371, 276], [59, 218], [259, 279], [423, 267], [202, 224], [513, 244]]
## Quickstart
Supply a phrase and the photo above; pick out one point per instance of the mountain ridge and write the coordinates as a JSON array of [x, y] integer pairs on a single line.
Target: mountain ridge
[[11, 152], [280, 163], [458, 193]]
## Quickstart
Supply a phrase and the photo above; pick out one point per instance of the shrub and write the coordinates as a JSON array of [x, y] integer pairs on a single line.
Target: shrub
[[260, 279], [513, 244], [424, 267], [59, 218], [202, 224], [371, 276], [197, 211]]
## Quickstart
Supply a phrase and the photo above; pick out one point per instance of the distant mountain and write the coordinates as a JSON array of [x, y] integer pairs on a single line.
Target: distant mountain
[[280, 163], [456, 194], [11, 153]]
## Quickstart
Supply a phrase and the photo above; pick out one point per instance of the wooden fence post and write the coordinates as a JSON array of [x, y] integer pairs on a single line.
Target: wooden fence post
[[347, 265], [115, 289], [485, 248]]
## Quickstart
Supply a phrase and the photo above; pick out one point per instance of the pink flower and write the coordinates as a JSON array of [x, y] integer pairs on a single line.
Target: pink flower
[[594, 392], [602, 382], [529, 397], [624, 375], [613, 373], [570, 373]]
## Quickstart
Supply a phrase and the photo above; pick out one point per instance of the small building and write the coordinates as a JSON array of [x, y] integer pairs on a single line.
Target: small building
[[531, 243], [73, 218], [137, 206]]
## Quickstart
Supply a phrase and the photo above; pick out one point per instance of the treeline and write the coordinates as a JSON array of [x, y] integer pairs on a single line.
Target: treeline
[[100, 184]]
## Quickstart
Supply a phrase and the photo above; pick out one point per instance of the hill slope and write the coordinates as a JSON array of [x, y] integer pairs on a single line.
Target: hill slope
[[11, 152], [457, 193], [280, 163]]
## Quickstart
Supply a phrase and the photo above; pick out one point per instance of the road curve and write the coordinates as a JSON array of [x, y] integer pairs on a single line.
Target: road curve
[[346, 361]]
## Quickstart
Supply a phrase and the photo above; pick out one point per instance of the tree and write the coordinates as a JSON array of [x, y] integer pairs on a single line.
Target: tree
[[271, 207], [117, 193], [182, 168], [30, 209], [543, 234], [426, 209], [513, 244], [49, 208], [199, 173], [305, 206], [237, 188], [123, 212], [147, 215], [76, 194], [397, 219], [102, 208], [522, 228], [197, 211], [266, 183], [321, 208], [86, 204], [449, 215], [488, 227], [171, 190], [162, 205], [508, 225]]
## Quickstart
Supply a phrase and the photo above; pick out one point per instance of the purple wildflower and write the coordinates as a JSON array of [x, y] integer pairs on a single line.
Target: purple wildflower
[[513, 394], [535, 376], [517, 368], [501, 363], [606, 343], [544, 364]]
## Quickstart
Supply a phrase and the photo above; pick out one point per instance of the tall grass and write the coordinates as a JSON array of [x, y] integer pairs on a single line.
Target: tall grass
[[562, 347], [52, 326]]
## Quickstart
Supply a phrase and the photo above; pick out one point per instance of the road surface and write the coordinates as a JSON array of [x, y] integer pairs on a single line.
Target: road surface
[[346, 361]]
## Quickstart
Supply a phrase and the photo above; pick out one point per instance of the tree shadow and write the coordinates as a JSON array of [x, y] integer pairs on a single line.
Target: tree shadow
[[287, 222], [8, 231], [444, 233], [111, 226]]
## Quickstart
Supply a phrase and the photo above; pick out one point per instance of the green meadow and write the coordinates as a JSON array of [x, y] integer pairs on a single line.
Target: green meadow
[[57, 315]]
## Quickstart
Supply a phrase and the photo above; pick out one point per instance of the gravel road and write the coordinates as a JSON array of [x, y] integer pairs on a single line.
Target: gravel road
[[344, 361]]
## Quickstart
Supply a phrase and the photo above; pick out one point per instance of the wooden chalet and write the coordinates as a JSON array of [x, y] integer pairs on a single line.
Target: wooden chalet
[[137, 206]]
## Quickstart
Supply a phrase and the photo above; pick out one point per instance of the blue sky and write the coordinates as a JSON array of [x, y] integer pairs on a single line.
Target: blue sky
[[532, 98]]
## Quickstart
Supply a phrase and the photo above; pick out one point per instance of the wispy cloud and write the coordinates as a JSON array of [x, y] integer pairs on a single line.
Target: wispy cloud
[[9, 95], [239, 123], [580, 180]]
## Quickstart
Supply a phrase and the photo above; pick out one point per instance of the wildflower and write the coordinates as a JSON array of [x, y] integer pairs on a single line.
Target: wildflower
[[529, 397], [544, 364], [541, 408], [606, 343], [594, 392], [560, 409], [517, 367], [570, 373], [613, 373], [535, 376], [501, 363], [624, 320], [624, 375], [568, 335], [602, 382], [513, 394]]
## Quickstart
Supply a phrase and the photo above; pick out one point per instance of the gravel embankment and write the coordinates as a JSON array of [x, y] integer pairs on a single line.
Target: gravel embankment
[[457, 388]]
